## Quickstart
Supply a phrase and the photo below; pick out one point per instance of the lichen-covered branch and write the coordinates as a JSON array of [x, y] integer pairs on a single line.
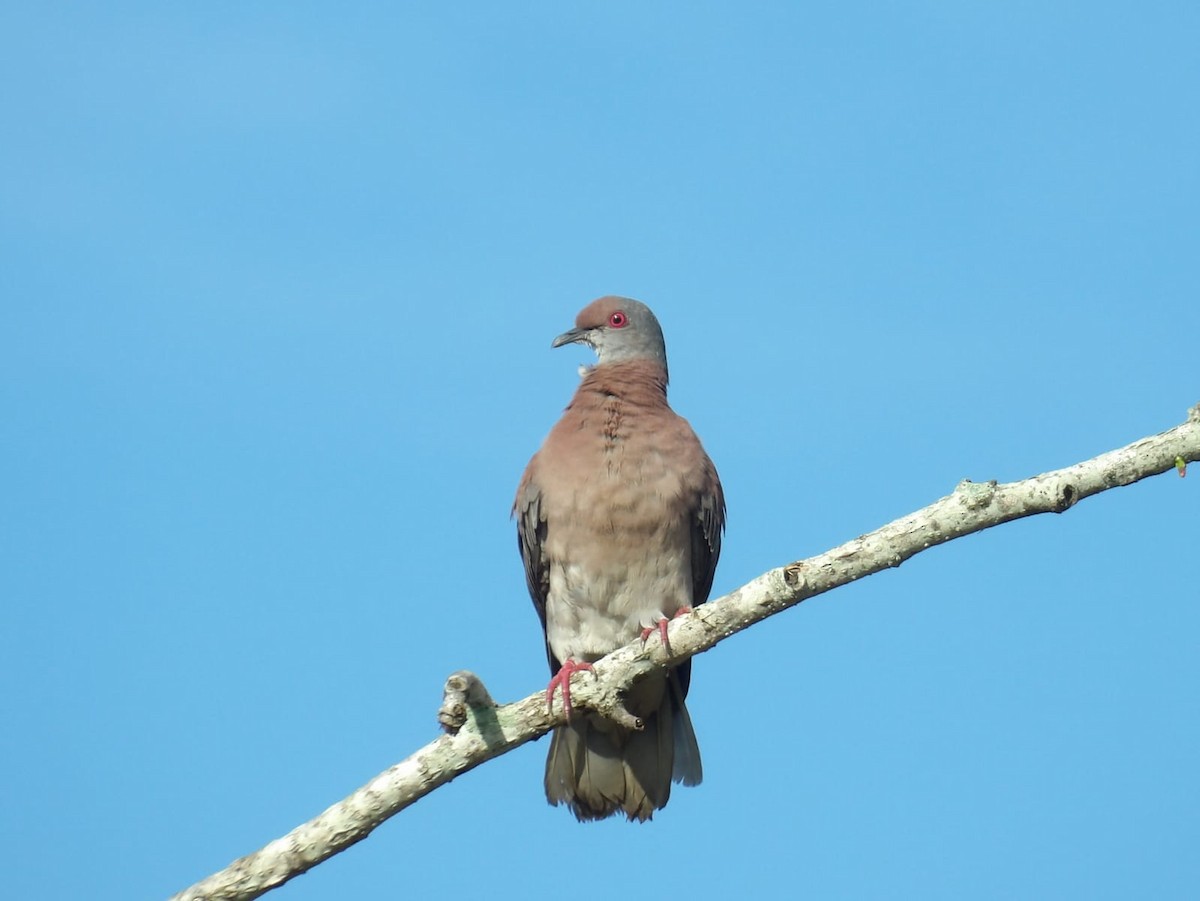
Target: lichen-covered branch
[[480, 730]]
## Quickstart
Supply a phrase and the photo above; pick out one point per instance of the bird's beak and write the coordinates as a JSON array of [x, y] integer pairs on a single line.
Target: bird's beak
[[574, 336]]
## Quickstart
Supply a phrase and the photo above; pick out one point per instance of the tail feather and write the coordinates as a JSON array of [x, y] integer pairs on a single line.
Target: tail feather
[[687, 768], [598, 768]]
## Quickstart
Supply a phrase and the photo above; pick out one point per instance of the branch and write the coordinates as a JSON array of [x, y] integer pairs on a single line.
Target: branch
[[484, 730]]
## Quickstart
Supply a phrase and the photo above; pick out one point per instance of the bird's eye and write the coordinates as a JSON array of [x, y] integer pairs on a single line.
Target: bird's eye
[[618, 320]]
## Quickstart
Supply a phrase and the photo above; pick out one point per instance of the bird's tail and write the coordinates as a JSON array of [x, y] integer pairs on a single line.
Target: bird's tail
[[598, 768]]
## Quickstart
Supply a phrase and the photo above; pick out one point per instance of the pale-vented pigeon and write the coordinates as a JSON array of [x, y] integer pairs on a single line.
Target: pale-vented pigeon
[[619, 519]]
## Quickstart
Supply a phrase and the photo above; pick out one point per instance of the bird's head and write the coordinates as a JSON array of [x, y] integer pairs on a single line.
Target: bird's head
[[618, 329]]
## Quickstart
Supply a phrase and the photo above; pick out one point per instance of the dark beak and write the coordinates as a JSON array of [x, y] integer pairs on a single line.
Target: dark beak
[[574, 336]]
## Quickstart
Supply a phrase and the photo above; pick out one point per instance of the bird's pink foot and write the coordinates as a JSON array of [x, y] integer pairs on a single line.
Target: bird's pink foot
[[661, 628], [562, 679]]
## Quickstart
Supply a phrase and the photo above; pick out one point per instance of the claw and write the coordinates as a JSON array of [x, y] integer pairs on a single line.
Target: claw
[[562, 679], [661, 629]]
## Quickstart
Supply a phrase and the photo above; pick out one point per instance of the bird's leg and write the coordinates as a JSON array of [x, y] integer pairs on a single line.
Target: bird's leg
[[562, 679], [661, 628]]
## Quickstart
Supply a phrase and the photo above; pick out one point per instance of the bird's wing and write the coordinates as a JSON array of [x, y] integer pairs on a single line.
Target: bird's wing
[[531, 539]]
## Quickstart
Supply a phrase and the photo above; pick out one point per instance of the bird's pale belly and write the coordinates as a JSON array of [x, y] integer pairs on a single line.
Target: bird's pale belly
[[590, 613]]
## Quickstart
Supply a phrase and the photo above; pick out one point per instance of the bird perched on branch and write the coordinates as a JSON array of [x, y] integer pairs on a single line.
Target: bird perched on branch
[[619, 519]]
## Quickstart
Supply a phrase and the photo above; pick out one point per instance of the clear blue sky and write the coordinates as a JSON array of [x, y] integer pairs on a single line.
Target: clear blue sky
[[279, 283]]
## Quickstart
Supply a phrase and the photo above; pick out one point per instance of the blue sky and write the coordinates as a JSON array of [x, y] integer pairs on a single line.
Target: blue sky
[[279, 284]]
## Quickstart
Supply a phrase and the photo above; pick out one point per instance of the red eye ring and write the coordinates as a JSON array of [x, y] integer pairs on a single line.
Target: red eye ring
[[618, 320]]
